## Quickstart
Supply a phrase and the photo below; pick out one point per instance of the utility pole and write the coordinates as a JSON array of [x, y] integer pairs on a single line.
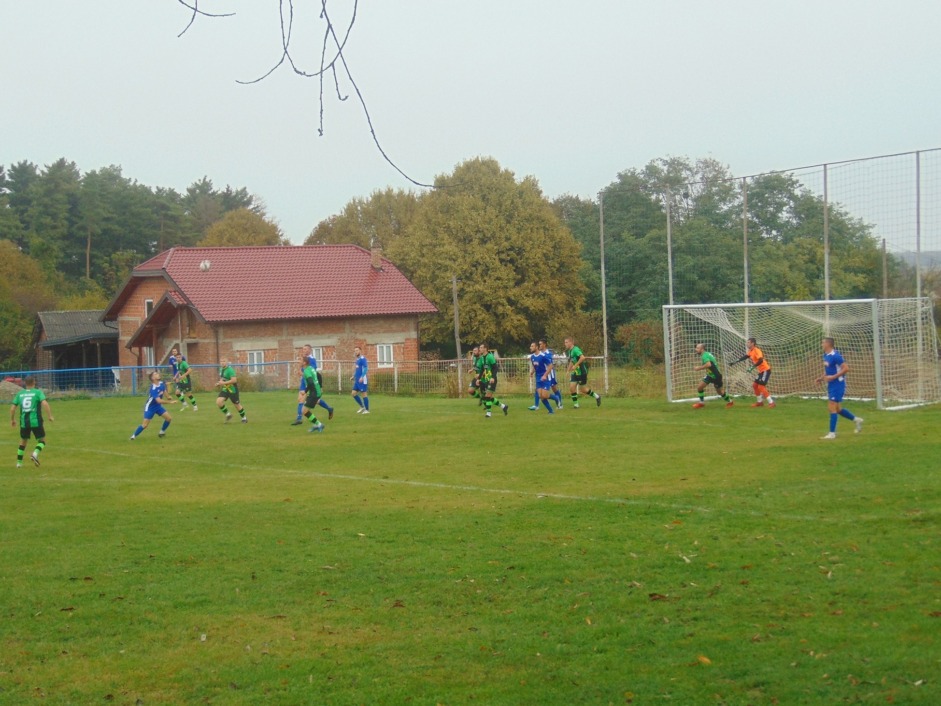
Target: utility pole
[[457, 337], [604, 292]]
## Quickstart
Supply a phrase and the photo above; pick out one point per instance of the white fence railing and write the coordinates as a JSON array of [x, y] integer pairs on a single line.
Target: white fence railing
[[445, 378]]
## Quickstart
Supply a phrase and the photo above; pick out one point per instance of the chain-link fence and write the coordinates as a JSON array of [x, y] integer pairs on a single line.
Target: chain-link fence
[[896, 196], [440, 378], [708, 242]]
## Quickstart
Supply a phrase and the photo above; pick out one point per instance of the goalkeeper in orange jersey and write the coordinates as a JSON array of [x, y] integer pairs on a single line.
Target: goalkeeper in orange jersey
[[763, 369]]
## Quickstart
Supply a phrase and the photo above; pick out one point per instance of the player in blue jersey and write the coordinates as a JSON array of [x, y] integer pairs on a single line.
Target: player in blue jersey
[[472, 388], [834, 374], [554, 393], [154, 406], [307, 356], [534, 353], [360, 382], [542, 371], [174, 362]]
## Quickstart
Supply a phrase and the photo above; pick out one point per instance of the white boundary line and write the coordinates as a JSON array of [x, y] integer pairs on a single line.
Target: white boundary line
[[538, 495]]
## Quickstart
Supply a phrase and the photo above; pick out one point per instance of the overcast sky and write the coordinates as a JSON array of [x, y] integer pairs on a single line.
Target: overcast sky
[[569, 92]]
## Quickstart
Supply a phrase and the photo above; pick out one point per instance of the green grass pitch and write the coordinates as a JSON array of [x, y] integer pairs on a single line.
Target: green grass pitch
[[639, 552]]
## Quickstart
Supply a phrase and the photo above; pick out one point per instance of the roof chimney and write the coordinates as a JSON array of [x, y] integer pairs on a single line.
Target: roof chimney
[[376, 253]]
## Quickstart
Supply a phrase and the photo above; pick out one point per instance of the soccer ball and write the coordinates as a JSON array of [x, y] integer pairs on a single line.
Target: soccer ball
[[204, 265]]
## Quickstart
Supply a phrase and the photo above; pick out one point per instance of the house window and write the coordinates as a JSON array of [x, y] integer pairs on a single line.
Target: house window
[[317, 352], [256, 361], [384, 355], [148, 307]]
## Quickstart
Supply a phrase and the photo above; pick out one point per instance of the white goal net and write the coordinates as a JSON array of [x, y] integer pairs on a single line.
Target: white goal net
[[890, 345]]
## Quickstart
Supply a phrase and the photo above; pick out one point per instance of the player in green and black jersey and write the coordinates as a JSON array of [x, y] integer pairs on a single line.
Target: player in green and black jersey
[[31, 401], [578, 369], [487, 379], [229, 390], [713, 377], [184, 383], [313, 392]]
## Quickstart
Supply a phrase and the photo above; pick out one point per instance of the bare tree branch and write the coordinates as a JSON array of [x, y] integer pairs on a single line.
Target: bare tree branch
[[329, 37], [286, 42], [196, 11]]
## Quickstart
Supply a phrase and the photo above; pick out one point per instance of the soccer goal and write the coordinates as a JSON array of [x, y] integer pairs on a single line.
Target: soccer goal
[[890, 345]]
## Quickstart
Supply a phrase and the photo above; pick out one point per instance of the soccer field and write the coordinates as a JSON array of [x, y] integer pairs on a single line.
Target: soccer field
[[639, 552]]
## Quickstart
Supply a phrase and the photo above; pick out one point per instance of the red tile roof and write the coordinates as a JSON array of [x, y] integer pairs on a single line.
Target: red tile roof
[[284, 282]]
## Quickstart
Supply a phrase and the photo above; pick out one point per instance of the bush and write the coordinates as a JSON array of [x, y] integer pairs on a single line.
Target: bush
[[642, 342]]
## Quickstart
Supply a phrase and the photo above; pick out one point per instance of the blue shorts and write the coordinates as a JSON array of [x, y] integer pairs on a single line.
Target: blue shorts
[[360, 387], [543, 384], [154, 410], [835, 390]]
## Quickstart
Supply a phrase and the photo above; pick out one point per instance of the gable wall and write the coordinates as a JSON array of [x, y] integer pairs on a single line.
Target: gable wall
[[132, 315], [43, 357]]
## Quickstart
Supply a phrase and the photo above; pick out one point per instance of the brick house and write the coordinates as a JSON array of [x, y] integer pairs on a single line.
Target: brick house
[[256, 305]]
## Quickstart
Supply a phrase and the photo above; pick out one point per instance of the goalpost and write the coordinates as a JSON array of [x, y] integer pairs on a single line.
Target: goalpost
[[890, 345]]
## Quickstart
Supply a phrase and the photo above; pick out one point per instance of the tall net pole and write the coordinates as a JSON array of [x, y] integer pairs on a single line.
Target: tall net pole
[[918, 225], [826, 251], [745, 236], [669, 199], [745, 244], [919, 334], [604, 292], [457, 336], [826, 236]]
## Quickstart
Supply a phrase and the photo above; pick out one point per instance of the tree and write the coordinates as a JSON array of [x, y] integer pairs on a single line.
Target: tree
[[581, 217], [377, 221], [203, 205], [89, 227], [242, 227], [24, 291], [10, 227], [585, 328], [169, 218], [641, 342], [89, 295], [118, 268], [786, 225], [518, 265], [20, 187], [103, 200], [52, 215], [785, 240]]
